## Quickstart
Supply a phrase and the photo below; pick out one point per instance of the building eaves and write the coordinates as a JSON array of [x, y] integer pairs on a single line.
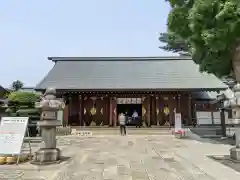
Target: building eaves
[[147, 58]]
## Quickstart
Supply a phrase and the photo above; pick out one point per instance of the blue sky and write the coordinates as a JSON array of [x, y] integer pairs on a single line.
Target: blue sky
[[33, 30]]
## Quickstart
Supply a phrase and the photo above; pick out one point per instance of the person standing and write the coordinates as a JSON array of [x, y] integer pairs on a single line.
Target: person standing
[[135, 118], [122, 123], [135, 114]]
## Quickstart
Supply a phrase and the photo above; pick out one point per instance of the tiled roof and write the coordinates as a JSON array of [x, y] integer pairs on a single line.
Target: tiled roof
[[2, 89], [125, 73]]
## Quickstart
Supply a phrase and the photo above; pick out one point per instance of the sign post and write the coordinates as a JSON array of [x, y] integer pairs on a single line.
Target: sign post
[[178, 125], [12, 132], [178, 122]]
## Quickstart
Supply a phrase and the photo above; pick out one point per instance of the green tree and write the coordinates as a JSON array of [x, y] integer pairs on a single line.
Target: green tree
[[23, 104], [211, 31], [174, 43], [16, 85], [23, 97], [18, 99]]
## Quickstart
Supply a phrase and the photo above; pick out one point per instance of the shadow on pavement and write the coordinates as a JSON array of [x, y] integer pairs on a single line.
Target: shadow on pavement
[[227, 161], [192, 134], [208, 135]]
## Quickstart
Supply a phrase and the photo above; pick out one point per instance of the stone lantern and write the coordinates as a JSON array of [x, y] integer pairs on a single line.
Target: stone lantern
[[234, 103], [49, 106]]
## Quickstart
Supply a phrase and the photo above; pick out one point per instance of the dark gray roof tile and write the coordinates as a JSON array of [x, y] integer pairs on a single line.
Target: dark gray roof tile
[[103, 74]]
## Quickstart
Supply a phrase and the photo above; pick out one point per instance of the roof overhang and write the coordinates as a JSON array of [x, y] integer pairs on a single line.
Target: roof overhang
[[109, 58], [137, 90]]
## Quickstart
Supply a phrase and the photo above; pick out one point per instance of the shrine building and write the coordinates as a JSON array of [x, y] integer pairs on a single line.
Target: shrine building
[[97, 89]]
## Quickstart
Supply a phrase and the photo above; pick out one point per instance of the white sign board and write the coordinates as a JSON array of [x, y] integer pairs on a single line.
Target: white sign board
[[204, 117], [12, 132], [60, 116], [178, 122], [129, 101]]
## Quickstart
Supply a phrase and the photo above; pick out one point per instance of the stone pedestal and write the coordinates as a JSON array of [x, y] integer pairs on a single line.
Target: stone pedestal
[[49, 133], [47, 156], [48, 153], [235, 153]]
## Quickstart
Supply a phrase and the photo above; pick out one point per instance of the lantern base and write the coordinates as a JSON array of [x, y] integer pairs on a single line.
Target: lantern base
[[235, 153], [47, 156]]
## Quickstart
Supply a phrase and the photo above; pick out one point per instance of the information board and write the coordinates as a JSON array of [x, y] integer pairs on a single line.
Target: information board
[[129, 101], [178, 122], [12, 132]]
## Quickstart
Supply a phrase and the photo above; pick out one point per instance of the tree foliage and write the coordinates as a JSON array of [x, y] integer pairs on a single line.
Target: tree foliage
[[210, 29], [16, 85], [23, 97], [174, 43]]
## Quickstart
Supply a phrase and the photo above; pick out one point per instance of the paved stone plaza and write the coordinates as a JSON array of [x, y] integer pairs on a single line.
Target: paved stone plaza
[[135, 157]]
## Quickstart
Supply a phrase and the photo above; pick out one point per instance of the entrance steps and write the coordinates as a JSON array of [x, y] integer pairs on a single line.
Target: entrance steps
[[116, 130]]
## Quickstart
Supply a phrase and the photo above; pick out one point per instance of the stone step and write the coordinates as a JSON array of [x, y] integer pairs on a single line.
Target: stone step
[[117, 128], [112, 131], [131, 133]]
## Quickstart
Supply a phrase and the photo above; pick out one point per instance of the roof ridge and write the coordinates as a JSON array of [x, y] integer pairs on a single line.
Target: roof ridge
[[119, 58]]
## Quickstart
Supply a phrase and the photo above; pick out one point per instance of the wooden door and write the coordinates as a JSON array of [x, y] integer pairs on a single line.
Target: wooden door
[[153, 110], [106, 111], [101, 117], [165, 110], [87, 105], [74, 111]]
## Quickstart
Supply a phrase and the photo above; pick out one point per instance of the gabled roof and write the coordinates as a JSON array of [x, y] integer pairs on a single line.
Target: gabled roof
[[2, 89], [3, 92], [128, 73]]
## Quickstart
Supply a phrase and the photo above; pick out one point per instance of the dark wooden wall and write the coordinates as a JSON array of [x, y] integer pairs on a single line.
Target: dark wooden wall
[[78, 111]]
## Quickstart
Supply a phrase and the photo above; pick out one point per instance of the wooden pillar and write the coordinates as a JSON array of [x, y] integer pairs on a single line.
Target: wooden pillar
[[212, 117], [153, 110], [149, 111], [114, 106], [70, 110], [194, 114], [190, 122], [106, 111], [171, 110], [144, 111], [110, 112], [65, 115], [80, 111], [178, 103], [65, 111], [157, 110]]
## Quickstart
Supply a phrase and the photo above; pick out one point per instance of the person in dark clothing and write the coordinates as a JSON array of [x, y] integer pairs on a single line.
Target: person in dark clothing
[[138, 121], [127, 118]]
